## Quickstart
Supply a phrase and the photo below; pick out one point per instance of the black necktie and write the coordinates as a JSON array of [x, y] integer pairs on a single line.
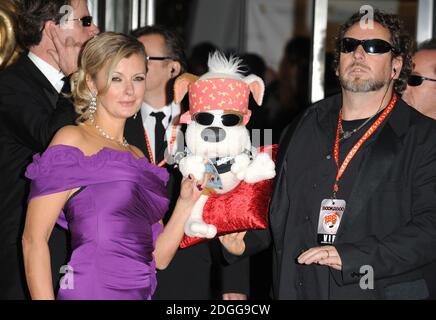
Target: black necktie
[[159, 136], [66, 88]]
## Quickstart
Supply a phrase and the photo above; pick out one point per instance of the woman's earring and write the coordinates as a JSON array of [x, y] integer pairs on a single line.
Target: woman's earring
[[92, 107]]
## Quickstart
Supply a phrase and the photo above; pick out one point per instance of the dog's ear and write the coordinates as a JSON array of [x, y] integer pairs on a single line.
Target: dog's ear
[[257, 87], [181, 86]]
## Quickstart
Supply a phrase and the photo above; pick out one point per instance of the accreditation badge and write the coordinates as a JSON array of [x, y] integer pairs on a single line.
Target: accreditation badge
[[330, 216], [214, 181]]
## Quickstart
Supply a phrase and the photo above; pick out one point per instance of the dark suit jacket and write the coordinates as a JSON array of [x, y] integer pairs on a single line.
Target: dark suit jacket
[[30, 113], [191, 274], [389, 223]]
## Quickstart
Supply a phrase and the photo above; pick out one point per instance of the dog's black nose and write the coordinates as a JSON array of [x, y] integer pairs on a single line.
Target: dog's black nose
[[213, 134]]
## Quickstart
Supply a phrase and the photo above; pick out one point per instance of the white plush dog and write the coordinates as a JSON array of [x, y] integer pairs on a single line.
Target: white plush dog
[[217, 140]]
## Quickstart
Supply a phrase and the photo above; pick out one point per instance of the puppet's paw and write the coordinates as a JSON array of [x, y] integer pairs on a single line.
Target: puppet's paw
[[198, 228], [192, 165], [261, 168], [239, 168]]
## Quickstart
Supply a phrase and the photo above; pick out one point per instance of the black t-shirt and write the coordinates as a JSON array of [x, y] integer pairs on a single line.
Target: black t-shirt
[[316, 181]]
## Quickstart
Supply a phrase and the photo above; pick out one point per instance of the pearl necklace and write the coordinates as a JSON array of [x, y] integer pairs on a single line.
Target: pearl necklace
[[123, 143]]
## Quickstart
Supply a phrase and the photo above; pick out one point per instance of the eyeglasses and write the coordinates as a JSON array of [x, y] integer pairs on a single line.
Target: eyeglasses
[[415, 80], [159, 58], [227, 119], [371, 46], [86, 20]]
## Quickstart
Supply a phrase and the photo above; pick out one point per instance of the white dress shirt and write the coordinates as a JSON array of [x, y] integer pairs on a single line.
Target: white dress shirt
[[171, 111], [53, 75]]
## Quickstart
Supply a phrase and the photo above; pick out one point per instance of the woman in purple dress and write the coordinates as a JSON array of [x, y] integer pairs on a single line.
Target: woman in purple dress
[[91, 181]]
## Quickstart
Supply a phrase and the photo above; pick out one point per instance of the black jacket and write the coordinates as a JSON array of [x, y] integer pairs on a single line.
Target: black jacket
[[30, 114], [389, 222]]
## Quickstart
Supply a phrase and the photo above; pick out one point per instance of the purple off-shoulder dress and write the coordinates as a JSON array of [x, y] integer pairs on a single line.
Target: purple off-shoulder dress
[[113, 220]]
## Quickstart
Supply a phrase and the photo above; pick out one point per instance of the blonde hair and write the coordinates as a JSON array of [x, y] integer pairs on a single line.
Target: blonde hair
[[106, 49]]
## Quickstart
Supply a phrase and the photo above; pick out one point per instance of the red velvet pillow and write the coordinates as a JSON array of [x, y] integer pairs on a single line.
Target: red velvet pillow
[[243, 208]]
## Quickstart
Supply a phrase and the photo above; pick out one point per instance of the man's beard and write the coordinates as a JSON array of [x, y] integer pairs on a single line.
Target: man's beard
[[361, 85], [357, 84]]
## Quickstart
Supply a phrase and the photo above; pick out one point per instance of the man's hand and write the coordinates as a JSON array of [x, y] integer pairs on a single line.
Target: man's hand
[[67, 52], [325, 255], [234, 296], [234, 242]]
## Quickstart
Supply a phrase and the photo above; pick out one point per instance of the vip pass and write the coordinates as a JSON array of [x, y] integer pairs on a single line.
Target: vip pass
[[329, 219]]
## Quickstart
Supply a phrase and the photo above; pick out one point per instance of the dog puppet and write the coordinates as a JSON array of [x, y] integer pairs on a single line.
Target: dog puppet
[[218, 143]]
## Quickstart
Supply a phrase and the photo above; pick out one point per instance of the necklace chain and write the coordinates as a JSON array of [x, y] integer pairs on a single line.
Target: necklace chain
[[348, 134], [123, 143]]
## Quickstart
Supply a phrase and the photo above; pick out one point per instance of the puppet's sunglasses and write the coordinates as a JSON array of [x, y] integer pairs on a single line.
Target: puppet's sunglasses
[[415, 80], [227, 119], [371, 46]]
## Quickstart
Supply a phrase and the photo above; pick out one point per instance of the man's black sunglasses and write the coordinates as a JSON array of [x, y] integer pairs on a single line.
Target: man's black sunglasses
[[86, 20], [227, 119], [415, 80], [371, 46]]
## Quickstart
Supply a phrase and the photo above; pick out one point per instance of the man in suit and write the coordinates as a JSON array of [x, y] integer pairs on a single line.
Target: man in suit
[[31, 111], [353, 214], [421, 86], [191, 273]]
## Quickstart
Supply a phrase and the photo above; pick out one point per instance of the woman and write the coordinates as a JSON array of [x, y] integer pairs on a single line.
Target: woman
[[109, 196]]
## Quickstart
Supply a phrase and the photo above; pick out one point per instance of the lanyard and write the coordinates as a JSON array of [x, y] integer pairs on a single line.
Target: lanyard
[[172, 140], [357, 146]]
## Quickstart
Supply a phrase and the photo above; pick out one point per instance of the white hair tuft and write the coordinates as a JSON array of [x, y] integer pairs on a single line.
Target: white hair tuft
[[219, 64]]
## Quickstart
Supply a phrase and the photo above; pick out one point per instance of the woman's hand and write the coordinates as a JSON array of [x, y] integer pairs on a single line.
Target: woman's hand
[[168, 241], [191, 189], [234, 242]]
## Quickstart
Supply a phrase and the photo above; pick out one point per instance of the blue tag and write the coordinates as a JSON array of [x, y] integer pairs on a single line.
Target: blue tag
[[214, 179]]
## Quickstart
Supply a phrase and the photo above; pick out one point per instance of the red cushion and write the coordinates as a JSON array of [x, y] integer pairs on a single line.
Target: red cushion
[[243, 208]]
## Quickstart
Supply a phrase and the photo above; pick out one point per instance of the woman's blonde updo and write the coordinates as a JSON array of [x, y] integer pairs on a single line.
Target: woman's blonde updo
[[106, 49]]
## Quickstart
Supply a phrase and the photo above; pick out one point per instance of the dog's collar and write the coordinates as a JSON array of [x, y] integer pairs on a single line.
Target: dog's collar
[[222, 165]]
